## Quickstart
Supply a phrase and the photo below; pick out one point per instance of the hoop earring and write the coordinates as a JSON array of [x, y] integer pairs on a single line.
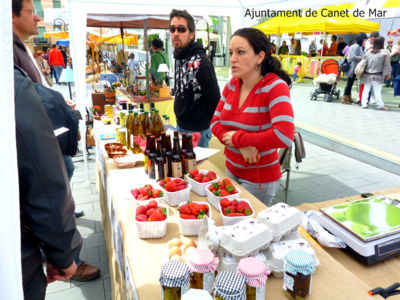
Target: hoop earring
[[256, 67]]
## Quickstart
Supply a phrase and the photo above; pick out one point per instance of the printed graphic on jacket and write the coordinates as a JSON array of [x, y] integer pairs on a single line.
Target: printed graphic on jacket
[[185, 75]]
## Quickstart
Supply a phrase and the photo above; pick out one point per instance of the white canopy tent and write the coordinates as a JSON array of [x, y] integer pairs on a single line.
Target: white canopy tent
[[10, 272]]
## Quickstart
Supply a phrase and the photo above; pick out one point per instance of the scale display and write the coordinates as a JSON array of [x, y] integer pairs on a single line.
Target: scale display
[[368, 219]]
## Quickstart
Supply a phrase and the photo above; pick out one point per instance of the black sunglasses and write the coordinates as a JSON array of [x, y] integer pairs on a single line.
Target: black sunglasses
[[180, 28]]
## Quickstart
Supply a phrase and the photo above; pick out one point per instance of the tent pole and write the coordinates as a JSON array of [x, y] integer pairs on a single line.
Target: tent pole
[[208, 40], [147, 61]]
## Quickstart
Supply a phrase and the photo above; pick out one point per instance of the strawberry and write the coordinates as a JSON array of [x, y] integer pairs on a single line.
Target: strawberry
[[211, 188], [232, 208], [233, 215], [140, 210], [212, 175], [144, 191], [170, 187], [157, 193], [224, 202], [177, 180], [206, 208], [188, 217], [231, 189], [161, 182], [198, 177], [142, 218], [180, 187], [167, 179], [194, 172], [139, 197], [185, 209], [234, 202], [205, 179], [216, 186], [152, 204], [227, 182], [135, 193], [148, 186], [223, 193], [248, 211], [226, 211], [196, 209], [242, 215], [221, 185], [145, 198], [158, 215], [242, 205], [183, 182], [150, 211]]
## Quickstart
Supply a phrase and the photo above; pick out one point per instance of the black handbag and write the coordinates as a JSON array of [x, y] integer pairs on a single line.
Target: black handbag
[[344, 64]]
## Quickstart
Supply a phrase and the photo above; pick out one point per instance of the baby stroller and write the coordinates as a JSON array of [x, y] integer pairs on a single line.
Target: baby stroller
[[327, 81]]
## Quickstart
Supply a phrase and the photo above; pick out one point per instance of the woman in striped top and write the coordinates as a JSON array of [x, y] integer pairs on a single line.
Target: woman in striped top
[[254, 116]]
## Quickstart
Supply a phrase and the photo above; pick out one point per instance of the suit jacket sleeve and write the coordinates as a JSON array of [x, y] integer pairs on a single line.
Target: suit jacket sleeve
[[47, 206]]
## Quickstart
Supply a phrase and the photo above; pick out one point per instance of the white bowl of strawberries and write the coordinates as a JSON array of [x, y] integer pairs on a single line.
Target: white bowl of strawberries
[[198, 179], [221, 189], [191, 216], [151, 220], [234, 211], [143, 195], [175, 190]]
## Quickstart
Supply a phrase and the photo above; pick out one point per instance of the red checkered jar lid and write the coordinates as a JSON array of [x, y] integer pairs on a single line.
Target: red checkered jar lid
[[202, 261], [254, 270]]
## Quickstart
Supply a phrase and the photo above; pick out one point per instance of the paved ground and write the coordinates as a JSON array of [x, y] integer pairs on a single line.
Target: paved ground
[[323, 175]]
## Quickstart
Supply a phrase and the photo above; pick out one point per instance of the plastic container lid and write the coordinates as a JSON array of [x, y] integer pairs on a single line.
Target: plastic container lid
[[194, 294], [299, 261], [202, 261], [254, 270], [230, 286], [174, 273], [208, 236]]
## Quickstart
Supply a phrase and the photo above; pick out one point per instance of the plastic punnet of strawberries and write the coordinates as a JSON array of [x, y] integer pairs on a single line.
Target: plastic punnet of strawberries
[[173, 185], [202, 178], [146, 193], [222, 188], [235, 208], [193, 210], [151, 212]]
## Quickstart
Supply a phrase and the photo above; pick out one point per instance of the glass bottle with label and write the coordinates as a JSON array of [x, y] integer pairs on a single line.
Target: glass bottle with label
[[190, 156], [176, 160], [151, 160], [148, 125], [167, 124], [202, 265], [176, 134], [183, 152], [152, 113], [161, 166], [164, 142], [146, 153], [256, 275], [129, 130], [136, 130], [158, 125], [141, 117], [168, 155]]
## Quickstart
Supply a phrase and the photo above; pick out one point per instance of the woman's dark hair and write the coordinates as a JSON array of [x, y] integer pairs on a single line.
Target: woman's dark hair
[[259, 42], [298, 43], [359, 38], [334, 38], [353, 40], [17, 6], [378, 44], [157, 43]]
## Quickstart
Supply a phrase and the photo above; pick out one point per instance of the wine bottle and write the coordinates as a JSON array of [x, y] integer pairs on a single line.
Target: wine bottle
[[190, 156], [176, 160], [183, 152], [160, 167], [152, 158], [168, 155], [146, 153]]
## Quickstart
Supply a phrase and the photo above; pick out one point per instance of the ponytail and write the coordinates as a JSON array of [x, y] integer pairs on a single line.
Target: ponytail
[[272, 64]]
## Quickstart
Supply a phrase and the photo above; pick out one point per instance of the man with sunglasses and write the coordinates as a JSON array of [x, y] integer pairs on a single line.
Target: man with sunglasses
[[196, 87]]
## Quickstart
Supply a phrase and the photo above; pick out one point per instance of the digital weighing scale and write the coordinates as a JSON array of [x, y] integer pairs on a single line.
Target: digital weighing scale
[[369, 227]]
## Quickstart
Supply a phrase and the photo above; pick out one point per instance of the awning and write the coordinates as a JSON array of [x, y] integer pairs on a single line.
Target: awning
[[64, 42]]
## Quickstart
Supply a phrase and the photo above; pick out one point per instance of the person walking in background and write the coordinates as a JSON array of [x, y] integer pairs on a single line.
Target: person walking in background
[[254, 116], [159, 57], [296, 70], [297, 50], [283, 50], [333, 48], [292, 47], [44, 67], [57, 62], [376, 69], [355, 56], [64, 54], [370, 42], [340, 47], [312, 48], [394, 61]]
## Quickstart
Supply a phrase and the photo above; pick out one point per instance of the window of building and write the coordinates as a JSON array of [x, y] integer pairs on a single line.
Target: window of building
[[38, 7], [41, 31], [56, 4]]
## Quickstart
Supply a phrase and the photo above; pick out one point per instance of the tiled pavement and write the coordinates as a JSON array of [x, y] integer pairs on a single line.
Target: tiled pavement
[[323, 175]]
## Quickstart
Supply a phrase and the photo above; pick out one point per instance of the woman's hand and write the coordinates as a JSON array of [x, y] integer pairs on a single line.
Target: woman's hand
[[43, 71], [250, 154], [227, 138], [387, 77]]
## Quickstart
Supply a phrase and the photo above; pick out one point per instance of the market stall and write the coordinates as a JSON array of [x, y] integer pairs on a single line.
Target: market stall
[[135, 263]]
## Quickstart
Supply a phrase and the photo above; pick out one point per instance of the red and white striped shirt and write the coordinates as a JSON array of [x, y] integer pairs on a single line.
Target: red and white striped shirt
[[265, 121]]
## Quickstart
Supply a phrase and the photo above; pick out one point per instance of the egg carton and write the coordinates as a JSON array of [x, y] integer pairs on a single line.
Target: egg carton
[[277, 251], [282, 219], [198, 187], [245, 238], [192, 227], [214, 200], [228, 263]]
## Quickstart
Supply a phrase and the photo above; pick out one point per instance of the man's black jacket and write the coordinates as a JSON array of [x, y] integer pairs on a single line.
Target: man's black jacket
[[46, 203]]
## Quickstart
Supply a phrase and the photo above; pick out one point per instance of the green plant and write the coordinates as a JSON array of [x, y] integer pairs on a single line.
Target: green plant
[[109, 89]]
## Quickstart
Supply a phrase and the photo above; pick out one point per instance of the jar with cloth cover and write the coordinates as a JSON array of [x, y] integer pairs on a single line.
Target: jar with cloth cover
[[202, 265], [174, 280], [256, 275], [230, 286]]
